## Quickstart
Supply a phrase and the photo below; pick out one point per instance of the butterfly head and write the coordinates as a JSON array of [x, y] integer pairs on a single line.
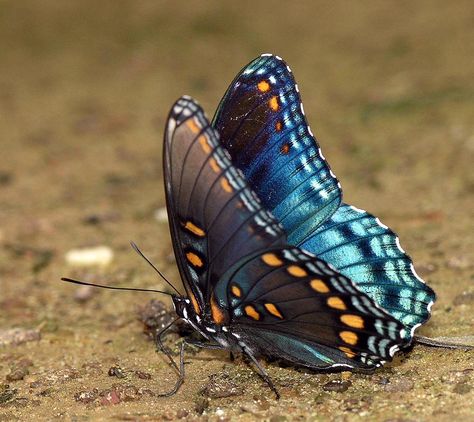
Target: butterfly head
[[183, 307]]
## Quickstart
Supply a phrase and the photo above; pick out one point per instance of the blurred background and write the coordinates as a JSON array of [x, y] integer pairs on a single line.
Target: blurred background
[[85, 88]]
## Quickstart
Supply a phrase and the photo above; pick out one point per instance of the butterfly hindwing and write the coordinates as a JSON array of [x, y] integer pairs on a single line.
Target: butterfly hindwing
[[262, 124], [288, 302], [370, 254]]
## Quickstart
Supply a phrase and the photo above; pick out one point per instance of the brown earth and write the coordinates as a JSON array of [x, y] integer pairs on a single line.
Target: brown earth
[[85, 88]]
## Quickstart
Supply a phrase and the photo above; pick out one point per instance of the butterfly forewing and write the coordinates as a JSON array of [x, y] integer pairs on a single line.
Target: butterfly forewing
[[215, 218], [262, 124], [309, 306]]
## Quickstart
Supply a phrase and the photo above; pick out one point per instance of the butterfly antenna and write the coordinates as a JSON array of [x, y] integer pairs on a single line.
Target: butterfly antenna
[[136, 289], [139, 252]]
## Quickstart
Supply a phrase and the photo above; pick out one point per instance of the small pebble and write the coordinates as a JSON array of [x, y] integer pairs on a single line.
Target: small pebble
[[110, 397], [161, 215], [6, 393], [338, 386], [462, 388], [220, 385], [5, 178], [86, 396], [116, 371], [182, 413], [143, 375], [84, 293], [85, 257], [459, 262], [16, 336], [17, 374], [346, 375], [201, 404], [278, 418], [399, 385]]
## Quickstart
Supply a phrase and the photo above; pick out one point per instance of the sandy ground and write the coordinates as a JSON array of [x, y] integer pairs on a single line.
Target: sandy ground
[[84, 92]]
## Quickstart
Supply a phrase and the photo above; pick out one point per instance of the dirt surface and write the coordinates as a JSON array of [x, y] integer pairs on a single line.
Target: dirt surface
[[85, 88]]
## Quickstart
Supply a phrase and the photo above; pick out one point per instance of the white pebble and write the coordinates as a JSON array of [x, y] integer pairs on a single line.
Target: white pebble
[[161, 215], [85, 257]]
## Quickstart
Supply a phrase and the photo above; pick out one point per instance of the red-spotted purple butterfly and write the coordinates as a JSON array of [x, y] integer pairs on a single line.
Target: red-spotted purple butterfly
[[273, 263]]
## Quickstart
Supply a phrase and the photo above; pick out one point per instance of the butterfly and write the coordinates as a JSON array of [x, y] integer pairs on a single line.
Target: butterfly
[[251, 203]]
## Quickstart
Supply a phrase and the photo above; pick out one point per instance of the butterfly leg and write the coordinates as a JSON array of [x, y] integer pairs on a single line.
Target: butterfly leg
[[205, 345], [262, 372], [180, 380], [180, 369]]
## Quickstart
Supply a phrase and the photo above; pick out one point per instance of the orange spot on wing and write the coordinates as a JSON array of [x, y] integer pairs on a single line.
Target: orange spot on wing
[[336, 303], [349, 337], [273, 103], [236, 291], [251, 312], [226, 185], [285, 148], [194, 301], [214, 166], [217, 314], [272, 260], [191, 124], [278, 126], [204, 144], [354, 321], [194, 259], [319, 285], [296, 271], [270, 307], [263, 86], [348, 352], [194, 229]]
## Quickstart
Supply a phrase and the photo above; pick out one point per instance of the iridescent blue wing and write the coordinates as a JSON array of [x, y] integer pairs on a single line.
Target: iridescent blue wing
[[369, 253], [214, 217], [287, 303], [261, 123], [236, 264]]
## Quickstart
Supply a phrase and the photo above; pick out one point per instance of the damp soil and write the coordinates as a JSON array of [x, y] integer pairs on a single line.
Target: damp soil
[[85, 88]]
